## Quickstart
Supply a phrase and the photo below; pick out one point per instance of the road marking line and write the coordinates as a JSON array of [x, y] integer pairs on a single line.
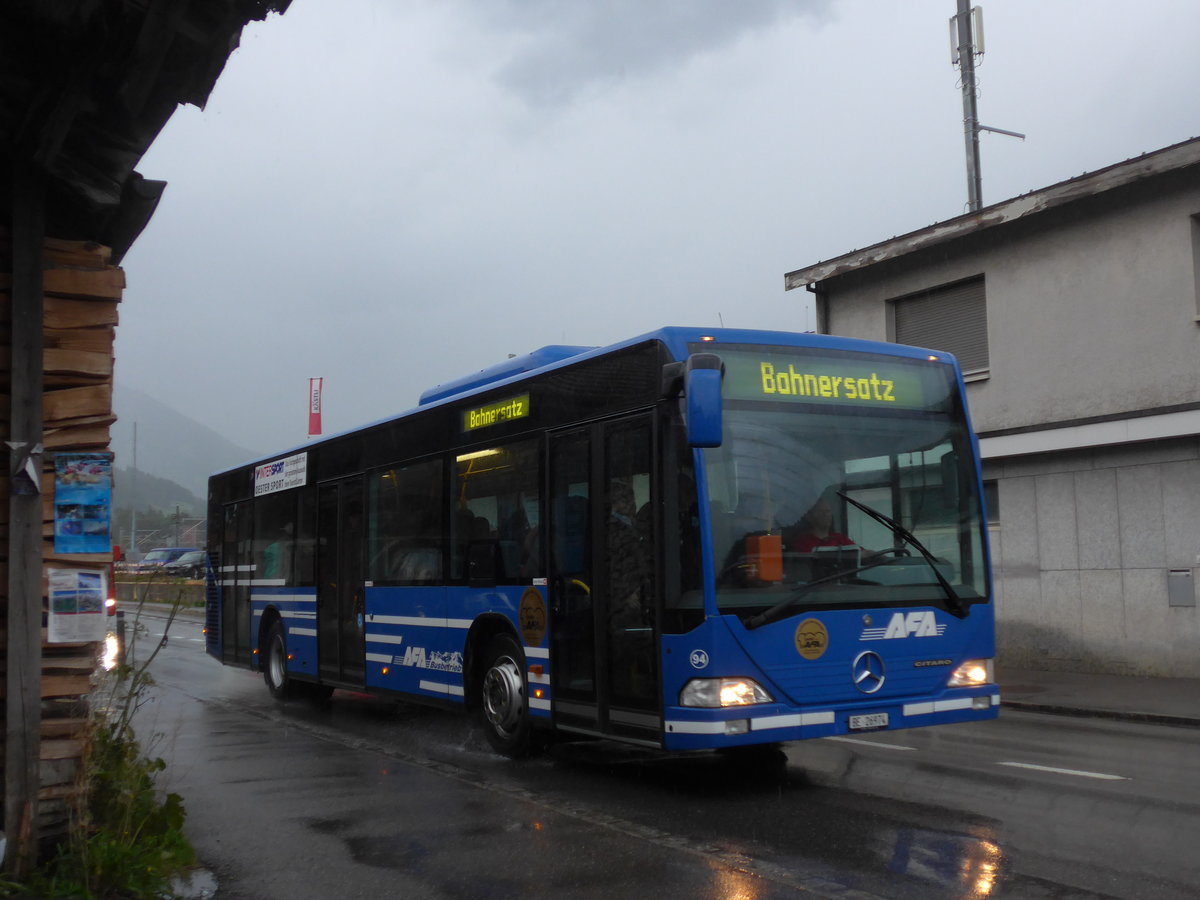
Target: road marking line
[[1100, 775], [850, 740]]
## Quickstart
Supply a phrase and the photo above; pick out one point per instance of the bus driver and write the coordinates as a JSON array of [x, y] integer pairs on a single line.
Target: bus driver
[[816, 530]]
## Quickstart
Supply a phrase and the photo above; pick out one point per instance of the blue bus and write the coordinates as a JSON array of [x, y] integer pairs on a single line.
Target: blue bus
[[693, 539]]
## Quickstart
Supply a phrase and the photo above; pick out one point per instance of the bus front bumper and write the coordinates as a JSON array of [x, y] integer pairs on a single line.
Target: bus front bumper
[[688, 728]]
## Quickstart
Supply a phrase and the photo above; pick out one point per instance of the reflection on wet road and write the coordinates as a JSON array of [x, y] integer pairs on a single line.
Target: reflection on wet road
[[364, 795]]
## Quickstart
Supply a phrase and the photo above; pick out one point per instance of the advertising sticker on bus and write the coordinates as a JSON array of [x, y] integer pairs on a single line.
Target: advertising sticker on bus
[[281, 475]]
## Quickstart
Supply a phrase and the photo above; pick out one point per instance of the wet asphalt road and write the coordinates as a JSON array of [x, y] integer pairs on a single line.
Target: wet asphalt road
[[364, 798]]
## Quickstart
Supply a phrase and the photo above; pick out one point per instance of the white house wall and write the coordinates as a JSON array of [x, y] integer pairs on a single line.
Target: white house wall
[[1085, 546], [1091, 313]]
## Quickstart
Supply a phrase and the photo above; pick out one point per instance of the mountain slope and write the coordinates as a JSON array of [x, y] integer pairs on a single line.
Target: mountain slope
[[169, 444], [142, 490]]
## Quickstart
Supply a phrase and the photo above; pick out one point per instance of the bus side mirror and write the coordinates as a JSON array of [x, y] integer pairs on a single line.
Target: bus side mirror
[[702, 387]]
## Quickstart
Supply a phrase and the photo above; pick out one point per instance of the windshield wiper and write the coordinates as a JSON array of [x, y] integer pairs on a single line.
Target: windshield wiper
[[779, 610], [954, 604]]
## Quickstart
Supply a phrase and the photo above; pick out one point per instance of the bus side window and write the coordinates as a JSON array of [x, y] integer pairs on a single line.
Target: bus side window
[[404, 542], [306, 540], [684, 604], [497, 514], [275, 537]]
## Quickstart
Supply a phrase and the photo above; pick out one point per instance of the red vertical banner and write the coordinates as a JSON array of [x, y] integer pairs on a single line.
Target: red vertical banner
[[314, 405]]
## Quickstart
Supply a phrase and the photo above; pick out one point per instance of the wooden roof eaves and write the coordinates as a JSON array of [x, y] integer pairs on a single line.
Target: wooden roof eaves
[[90, 87]]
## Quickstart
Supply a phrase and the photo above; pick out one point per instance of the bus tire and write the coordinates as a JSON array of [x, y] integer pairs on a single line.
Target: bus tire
[[275, 665], [503, 706]]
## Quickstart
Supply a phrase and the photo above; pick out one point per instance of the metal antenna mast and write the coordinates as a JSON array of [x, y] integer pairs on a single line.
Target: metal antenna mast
[[966, 40]]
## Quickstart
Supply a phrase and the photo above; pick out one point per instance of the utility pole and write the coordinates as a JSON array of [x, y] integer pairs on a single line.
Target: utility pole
[[133, 500], [966, 42], [966, 63]]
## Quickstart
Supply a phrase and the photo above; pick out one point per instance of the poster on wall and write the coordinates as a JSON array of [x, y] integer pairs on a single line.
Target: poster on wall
[[76, 606], [83, 503]]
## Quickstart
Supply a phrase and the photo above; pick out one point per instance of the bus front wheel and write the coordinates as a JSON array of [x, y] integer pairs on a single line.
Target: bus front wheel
[[503, 701], [275, 665]]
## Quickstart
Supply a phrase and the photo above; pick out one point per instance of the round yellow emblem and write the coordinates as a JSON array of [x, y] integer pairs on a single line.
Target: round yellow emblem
[[811, 639], [532, 616]]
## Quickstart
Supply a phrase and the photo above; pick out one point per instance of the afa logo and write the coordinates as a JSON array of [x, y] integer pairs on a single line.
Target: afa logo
[[922, 623], [420, 658], [812, 640]]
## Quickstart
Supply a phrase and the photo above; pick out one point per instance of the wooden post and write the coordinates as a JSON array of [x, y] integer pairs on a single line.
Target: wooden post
[[23, 686]]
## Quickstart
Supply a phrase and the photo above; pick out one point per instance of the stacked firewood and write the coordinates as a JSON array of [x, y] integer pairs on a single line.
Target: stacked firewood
[[81, 291]]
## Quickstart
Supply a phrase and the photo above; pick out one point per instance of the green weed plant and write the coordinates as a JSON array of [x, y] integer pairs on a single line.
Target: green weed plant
[[128, 843]]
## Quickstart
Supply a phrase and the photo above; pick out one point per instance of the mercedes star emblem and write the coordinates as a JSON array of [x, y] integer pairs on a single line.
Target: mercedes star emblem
[[867, 672]]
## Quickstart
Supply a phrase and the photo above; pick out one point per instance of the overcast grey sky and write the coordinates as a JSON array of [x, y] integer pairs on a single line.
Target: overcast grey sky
[[393, 193]]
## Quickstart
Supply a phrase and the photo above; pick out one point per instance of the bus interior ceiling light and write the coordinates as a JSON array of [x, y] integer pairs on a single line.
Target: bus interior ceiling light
[[713, 693], [477, 454]]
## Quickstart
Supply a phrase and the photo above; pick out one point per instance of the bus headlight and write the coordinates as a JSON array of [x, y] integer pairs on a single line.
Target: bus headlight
[[714, 693], [972, 673]]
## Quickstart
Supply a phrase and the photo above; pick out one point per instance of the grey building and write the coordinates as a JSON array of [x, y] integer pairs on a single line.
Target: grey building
[[1075, 312]]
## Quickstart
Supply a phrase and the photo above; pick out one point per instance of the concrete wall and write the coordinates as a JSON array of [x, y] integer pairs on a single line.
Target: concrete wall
[[1083, 553], [1089, 312]]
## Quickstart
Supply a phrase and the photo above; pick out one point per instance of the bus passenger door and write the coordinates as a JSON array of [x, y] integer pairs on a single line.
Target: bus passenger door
[[237, 573], [572, 617], [604, 647], [340, 587]]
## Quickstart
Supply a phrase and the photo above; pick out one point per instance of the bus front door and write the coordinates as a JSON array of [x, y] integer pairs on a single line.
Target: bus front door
[[604, 647], [340, 585]]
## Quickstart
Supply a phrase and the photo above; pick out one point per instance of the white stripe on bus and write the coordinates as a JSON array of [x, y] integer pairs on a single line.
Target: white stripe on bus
[[796, 720], [696, 727], [385, 638], [379, 658], [305, 632], [537, 652], [455, 690], [422, 621], [289, 614], [937, 706]]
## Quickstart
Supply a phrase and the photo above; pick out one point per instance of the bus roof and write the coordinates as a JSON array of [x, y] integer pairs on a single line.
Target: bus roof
[[677, 339]]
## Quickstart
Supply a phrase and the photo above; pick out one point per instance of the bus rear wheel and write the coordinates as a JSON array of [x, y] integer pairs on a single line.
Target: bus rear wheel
[[503, 698], [275, 665]]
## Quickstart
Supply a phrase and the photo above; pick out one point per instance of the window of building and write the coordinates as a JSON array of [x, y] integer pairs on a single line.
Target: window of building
[[952, 317], [991, 497], [1196, 262]]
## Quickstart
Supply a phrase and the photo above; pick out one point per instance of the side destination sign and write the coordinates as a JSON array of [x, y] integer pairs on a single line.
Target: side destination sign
[[853, 381], [281, 474], [496, 413]]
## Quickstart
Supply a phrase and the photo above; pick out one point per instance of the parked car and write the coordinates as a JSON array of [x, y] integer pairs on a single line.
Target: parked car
[[192, 564], [156, 559]]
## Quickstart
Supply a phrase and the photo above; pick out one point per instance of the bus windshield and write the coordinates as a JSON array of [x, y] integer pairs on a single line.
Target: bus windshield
[[793, 486]]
